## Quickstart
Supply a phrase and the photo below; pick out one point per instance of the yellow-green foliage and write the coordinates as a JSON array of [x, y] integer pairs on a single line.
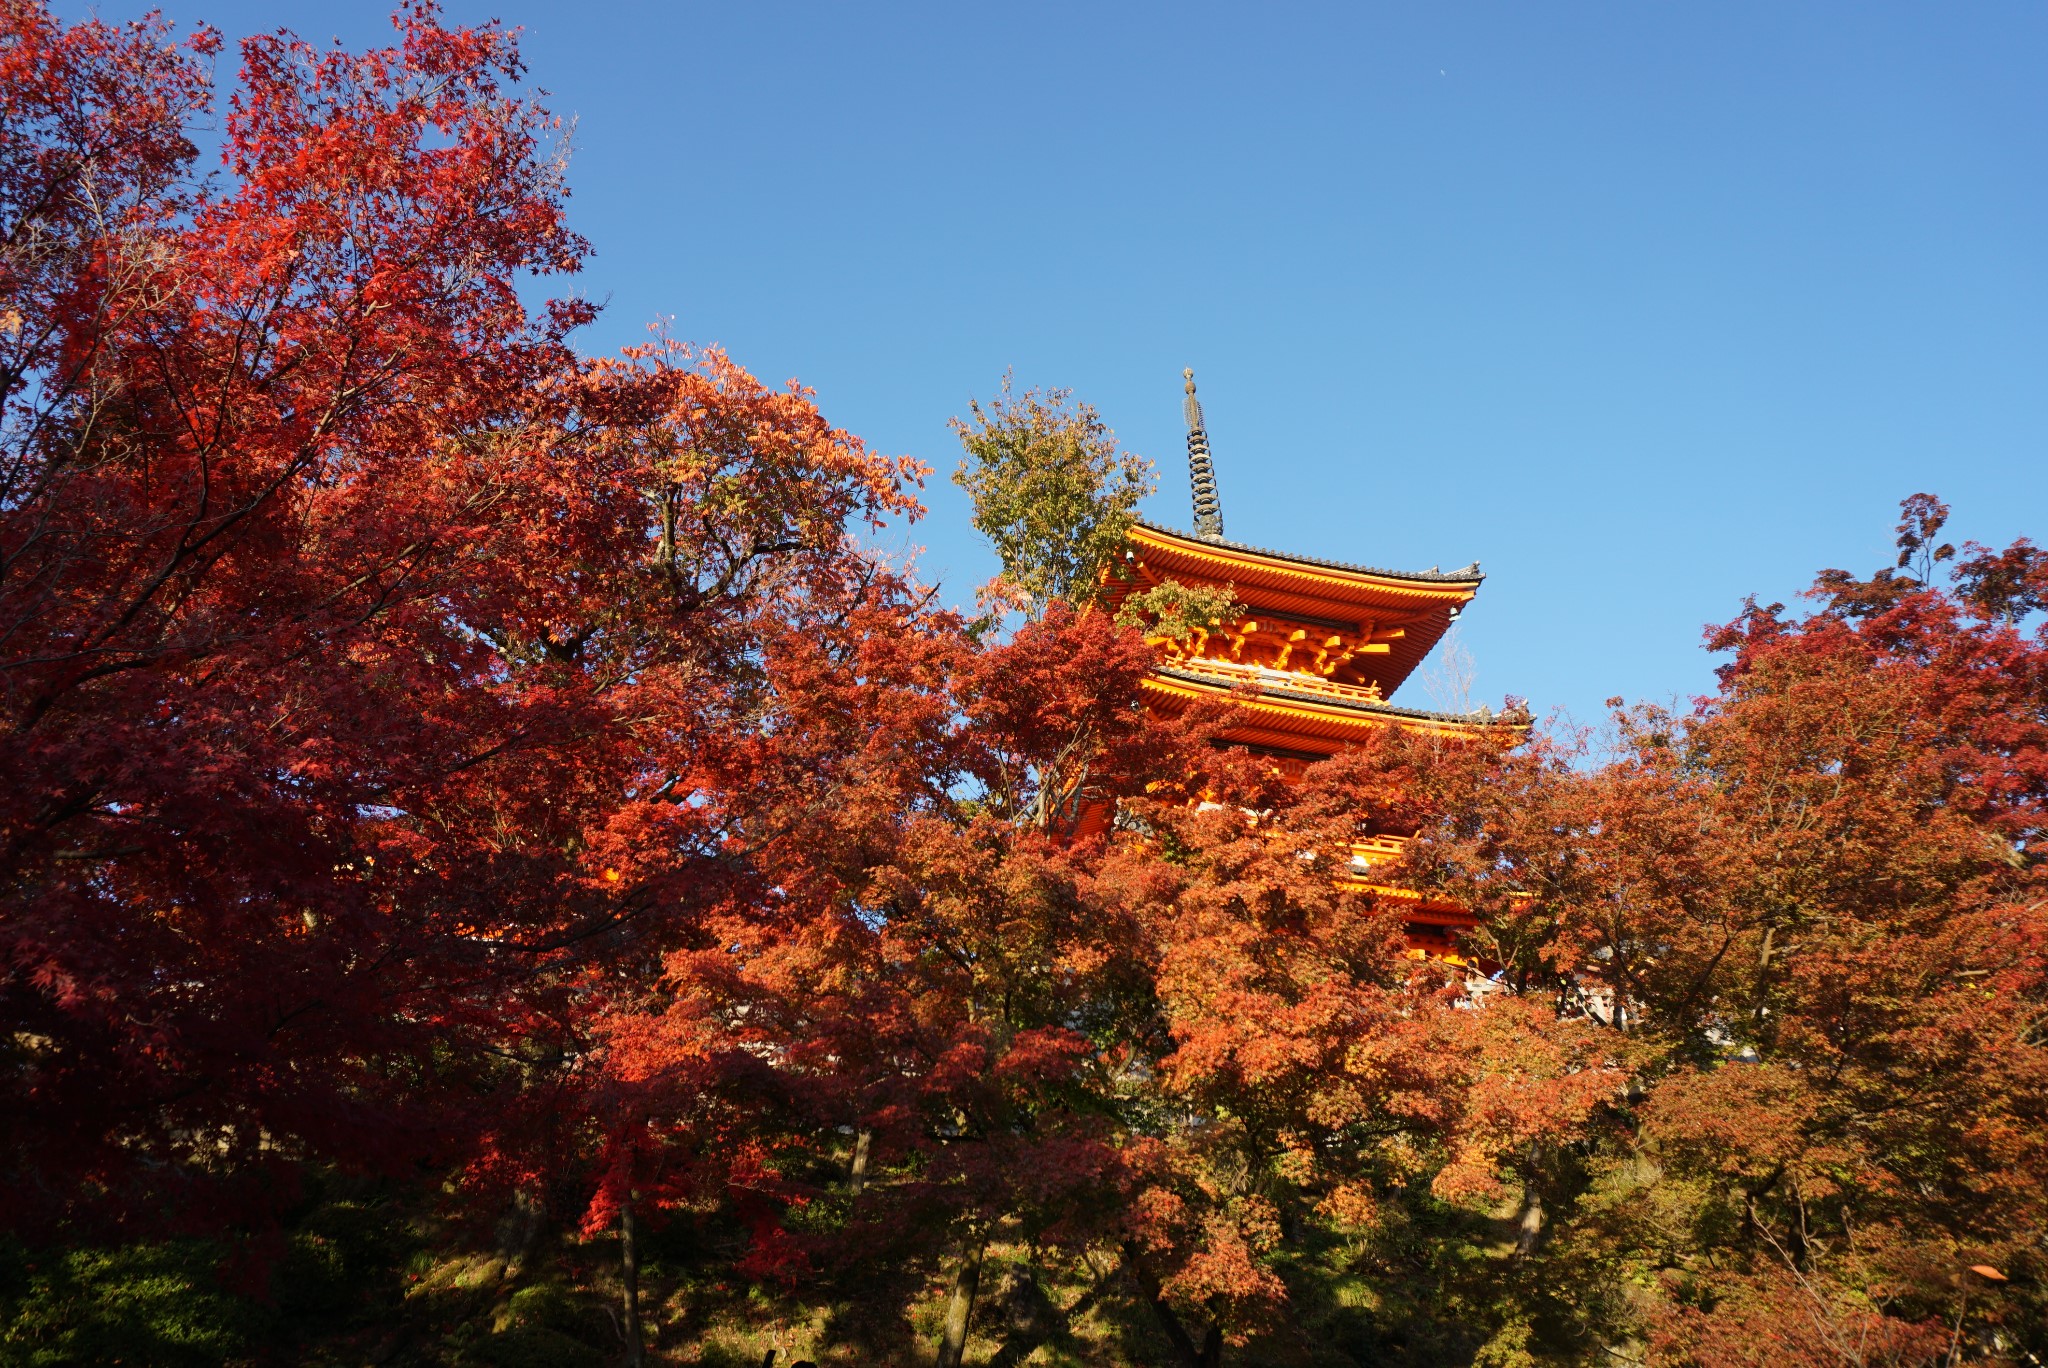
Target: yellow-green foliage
[[1174, 610], [145, 1303], [1051, 491]]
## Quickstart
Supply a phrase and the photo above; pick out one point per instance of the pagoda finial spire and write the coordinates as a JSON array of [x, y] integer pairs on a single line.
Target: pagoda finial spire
[[1201, 470]]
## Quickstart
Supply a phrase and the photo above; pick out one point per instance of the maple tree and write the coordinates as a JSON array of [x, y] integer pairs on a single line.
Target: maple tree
[[358, 633], [1168, 1043], [924, 949], [1809, 913]]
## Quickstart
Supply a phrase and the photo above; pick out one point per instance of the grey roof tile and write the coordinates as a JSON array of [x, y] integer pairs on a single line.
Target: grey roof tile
[[1465, 575]]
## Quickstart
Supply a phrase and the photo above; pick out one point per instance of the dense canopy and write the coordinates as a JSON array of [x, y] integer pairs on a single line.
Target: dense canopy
[[497, 870]]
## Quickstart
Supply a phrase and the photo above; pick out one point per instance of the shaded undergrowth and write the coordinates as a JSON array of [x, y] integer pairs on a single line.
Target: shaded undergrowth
[[360, 1276]]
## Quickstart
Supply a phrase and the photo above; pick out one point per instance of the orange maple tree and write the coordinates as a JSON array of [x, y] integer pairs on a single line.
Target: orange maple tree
[[1809, 912]]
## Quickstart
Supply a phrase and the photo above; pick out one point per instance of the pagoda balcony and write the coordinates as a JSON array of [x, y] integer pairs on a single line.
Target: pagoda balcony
[[1430, 919], [1370, 852], [1232, 673]]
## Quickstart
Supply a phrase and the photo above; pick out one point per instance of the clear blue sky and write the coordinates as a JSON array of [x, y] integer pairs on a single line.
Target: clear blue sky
[[1644, 306]]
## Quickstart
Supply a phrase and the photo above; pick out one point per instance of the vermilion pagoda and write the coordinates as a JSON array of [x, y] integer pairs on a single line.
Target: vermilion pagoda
[[1324, 644]]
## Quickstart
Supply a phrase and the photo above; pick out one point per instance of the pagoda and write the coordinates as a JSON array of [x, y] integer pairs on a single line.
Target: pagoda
[[1314, 659]]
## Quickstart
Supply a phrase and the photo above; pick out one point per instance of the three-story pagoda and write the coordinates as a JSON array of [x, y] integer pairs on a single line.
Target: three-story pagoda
[[1315, 657]]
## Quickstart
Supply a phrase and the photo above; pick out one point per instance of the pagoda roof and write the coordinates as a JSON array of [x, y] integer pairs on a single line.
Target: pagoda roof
[[1466, 577], [1275, 717], [1406, 611], [1478, 717]]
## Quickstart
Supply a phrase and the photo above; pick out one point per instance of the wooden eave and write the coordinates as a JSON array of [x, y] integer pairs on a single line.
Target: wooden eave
[[1422, 604], [1331, 581], [1277, 718]]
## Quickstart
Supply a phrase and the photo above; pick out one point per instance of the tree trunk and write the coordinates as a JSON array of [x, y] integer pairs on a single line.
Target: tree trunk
[[519, 1230], [1530, 1220], [858, 1178], [629, 1256], [1183, 1342], [966, 1282], [1529, 1230]]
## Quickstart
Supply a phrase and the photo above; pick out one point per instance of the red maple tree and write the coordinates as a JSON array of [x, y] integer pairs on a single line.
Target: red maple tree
[[423, 744], [360, 639]]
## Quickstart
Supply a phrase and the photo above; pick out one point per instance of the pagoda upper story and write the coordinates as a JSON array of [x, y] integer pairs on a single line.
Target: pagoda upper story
[[1323, 643]]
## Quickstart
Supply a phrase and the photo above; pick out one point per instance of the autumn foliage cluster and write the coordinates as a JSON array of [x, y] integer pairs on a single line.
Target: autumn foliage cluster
[[441, 764]]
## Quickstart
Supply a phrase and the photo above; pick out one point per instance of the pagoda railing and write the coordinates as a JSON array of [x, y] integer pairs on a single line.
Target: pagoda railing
[[1372, 851], [1234, 672]]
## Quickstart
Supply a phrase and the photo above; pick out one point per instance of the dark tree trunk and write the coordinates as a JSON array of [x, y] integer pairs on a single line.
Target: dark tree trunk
[[519, 1230], [629, 1258], [966, 1282], [858, 1178], [1211, 1350], [1212, 1346]]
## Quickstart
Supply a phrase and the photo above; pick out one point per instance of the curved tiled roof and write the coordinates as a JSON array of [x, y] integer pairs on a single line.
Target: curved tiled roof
[[1466, 575], [1480, 717]]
